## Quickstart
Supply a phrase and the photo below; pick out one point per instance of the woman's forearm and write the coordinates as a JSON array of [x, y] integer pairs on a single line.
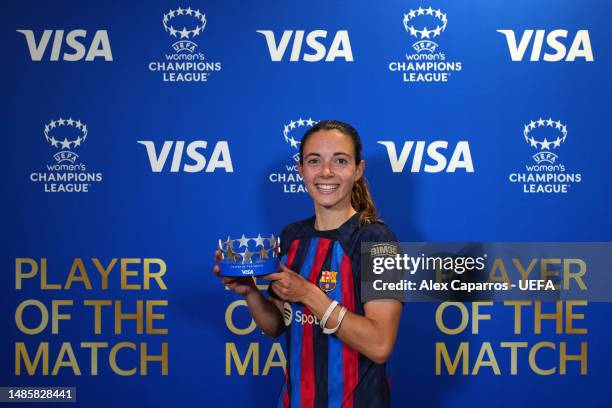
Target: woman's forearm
[[265, 313], [373, 338]]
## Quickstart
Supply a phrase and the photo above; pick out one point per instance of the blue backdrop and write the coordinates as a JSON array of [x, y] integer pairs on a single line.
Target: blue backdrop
[[124, 79]]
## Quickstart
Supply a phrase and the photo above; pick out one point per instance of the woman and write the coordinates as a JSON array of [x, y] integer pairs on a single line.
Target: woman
[[337, 346]]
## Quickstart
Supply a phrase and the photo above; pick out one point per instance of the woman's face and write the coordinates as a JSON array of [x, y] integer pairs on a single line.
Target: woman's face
[[329, 168]]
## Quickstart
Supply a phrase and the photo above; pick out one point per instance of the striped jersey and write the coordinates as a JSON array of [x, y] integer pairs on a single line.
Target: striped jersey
[[322, 371]]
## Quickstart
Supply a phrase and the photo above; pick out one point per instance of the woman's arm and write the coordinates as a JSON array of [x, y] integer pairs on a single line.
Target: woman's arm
[[373, 335], [267, 313]]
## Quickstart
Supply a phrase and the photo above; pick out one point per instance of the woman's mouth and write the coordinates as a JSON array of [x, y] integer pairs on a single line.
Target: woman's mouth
[[327, 188]]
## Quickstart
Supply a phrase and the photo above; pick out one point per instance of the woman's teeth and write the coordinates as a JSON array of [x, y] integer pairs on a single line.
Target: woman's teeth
[[327, 186]]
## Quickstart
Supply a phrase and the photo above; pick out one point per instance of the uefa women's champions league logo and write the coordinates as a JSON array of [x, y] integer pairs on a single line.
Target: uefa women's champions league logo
[[66, 174], [65, 154], [427, 64], [290, 178], [259, 257], [184, 44], [545, 155], [290, 135], [548, 175], [424, 34], [185, 64]]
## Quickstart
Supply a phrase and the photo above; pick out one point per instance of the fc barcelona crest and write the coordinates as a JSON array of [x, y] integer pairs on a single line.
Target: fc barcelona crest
[[328, 280]]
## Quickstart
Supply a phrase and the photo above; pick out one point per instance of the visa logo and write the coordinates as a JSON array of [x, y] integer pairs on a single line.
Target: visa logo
[[315, 49], [556, 41], [219, 159], [99, 46]]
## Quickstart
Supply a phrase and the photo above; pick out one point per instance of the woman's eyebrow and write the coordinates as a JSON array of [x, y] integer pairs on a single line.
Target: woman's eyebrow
[[335, 154], [313, 154]]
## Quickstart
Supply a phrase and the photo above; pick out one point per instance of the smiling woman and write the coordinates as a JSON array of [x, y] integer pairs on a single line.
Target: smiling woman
[[316, 296], [330, 170], [331, 164]]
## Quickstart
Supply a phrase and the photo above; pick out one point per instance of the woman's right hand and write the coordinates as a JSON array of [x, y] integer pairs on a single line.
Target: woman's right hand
[[239, 284]]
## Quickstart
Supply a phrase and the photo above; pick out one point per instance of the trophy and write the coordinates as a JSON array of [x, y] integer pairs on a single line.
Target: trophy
[[249, 256]]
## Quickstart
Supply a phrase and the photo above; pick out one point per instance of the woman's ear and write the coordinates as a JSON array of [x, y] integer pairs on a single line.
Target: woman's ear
[[360, 170], [300, 169]]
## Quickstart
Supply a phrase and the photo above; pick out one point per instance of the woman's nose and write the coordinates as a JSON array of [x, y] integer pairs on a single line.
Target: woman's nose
[[327, 170]]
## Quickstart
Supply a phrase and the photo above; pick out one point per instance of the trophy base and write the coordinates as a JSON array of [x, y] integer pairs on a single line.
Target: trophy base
[[234, 269]]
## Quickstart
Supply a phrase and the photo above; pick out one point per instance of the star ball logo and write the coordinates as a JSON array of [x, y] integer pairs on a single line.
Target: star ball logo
[[422, 44], [548, 174], [65, 154], [427, 63], [66, 174], [545, 155], [290, 178], [186, 63], [184, 44]]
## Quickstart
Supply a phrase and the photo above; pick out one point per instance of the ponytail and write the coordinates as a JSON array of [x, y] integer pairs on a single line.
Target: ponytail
[[361, 200]]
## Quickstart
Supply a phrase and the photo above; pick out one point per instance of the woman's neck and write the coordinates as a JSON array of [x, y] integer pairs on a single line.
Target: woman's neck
[[330, 219]]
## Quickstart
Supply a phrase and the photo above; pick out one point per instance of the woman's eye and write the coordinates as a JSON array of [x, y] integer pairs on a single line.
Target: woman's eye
[[313, 161], [341, 161]]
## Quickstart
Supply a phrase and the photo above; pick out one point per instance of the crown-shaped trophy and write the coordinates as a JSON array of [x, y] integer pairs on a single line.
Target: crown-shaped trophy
[[249, 256]]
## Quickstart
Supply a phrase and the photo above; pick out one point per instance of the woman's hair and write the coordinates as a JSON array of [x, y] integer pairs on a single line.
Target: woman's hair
[[361, 200]]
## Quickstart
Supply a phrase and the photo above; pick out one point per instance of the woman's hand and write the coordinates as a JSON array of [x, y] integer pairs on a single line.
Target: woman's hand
[[240, 285], [289, 285], [267, 313]]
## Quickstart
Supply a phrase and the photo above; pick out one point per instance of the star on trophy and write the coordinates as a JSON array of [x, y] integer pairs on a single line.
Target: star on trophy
[[259, 256]]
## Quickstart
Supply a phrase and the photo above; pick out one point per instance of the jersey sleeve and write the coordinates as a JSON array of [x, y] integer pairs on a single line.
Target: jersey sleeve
[[378, 242], [377, 232]]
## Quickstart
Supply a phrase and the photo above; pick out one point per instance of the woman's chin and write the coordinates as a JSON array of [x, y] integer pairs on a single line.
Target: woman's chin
[[329, 203]]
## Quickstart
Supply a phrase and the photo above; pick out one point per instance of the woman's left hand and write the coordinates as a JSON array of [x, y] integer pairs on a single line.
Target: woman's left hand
[[289, 285]]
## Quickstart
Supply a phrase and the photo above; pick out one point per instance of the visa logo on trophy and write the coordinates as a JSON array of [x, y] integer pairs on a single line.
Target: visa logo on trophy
[[426, 63], [547, 175], [259, 256], [66, 175], [186, 63]]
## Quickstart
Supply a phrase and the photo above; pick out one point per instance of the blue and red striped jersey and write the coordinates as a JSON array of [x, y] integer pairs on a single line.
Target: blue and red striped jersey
[[322, 371]]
